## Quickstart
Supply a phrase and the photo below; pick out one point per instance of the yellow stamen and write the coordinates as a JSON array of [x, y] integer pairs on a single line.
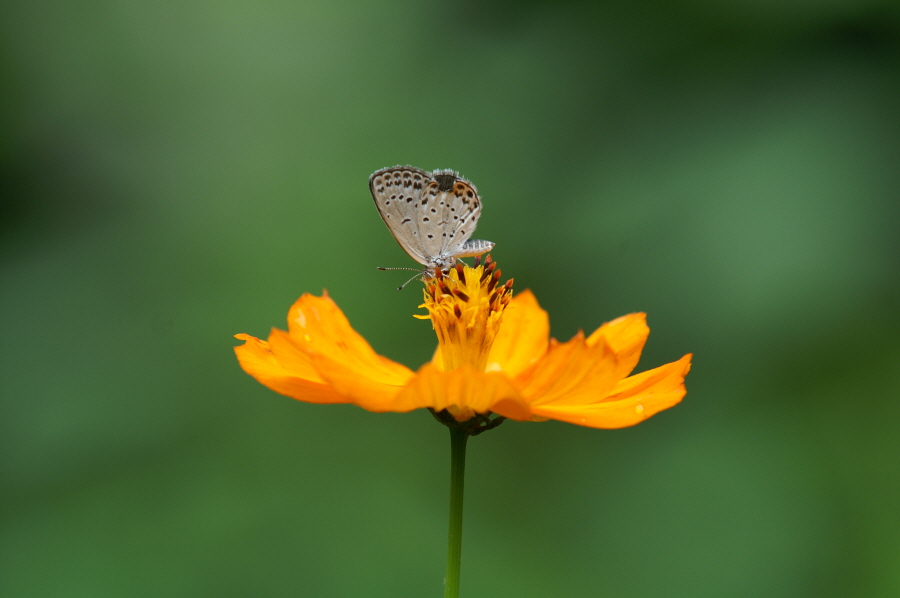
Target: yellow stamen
[[466, 307]]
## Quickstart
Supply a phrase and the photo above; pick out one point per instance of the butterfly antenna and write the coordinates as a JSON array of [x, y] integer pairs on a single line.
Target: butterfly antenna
[[410, 269], [417, 274]]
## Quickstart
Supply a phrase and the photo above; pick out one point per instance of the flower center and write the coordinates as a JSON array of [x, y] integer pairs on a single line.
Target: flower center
[[466, 307]]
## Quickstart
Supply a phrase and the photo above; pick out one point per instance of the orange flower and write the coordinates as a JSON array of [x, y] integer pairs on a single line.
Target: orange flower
[[494, 356]]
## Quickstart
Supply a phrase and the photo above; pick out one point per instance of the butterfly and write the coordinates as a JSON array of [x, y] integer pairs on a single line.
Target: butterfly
[[431, 214]]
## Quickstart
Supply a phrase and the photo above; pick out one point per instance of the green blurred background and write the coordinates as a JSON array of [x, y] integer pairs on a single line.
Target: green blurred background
[[175, 173]]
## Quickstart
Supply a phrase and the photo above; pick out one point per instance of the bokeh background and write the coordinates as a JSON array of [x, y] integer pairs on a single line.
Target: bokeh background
[[175, 173]]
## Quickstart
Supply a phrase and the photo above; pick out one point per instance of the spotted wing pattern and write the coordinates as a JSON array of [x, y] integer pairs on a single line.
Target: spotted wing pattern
[[397, 192], [432, 215], [448, 213]]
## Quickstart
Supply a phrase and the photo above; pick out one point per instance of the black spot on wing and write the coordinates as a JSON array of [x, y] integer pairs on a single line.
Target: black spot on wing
[[445, 181]]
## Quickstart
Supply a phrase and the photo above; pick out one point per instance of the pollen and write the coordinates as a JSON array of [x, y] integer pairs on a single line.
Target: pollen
[[466, 306]]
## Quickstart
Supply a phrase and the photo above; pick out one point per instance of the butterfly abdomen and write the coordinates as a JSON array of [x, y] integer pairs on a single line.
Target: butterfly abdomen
[[474, 247]]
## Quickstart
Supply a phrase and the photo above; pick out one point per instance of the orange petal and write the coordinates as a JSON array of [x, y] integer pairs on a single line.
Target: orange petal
[[464, 391], [318, 326], [571, 373], [626, 337], [634, 399], [340, 356], [302, 383], [523, 336]]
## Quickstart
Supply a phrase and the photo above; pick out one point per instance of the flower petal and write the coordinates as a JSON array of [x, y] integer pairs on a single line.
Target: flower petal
[[523, 336], [464, 391], [340, 356], [573, 372], [634, 399], [299, 381], [626, 336], [318, 326], [653, 383]]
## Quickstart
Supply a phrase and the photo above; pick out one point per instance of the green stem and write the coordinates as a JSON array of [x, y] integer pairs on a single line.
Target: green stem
[[458, 438]]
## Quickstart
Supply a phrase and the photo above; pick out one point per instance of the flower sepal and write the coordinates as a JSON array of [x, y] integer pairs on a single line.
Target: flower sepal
[[477, 424]]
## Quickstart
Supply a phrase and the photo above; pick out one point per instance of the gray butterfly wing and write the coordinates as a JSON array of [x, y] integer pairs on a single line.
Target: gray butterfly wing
[[397, 192], [450, 208]]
